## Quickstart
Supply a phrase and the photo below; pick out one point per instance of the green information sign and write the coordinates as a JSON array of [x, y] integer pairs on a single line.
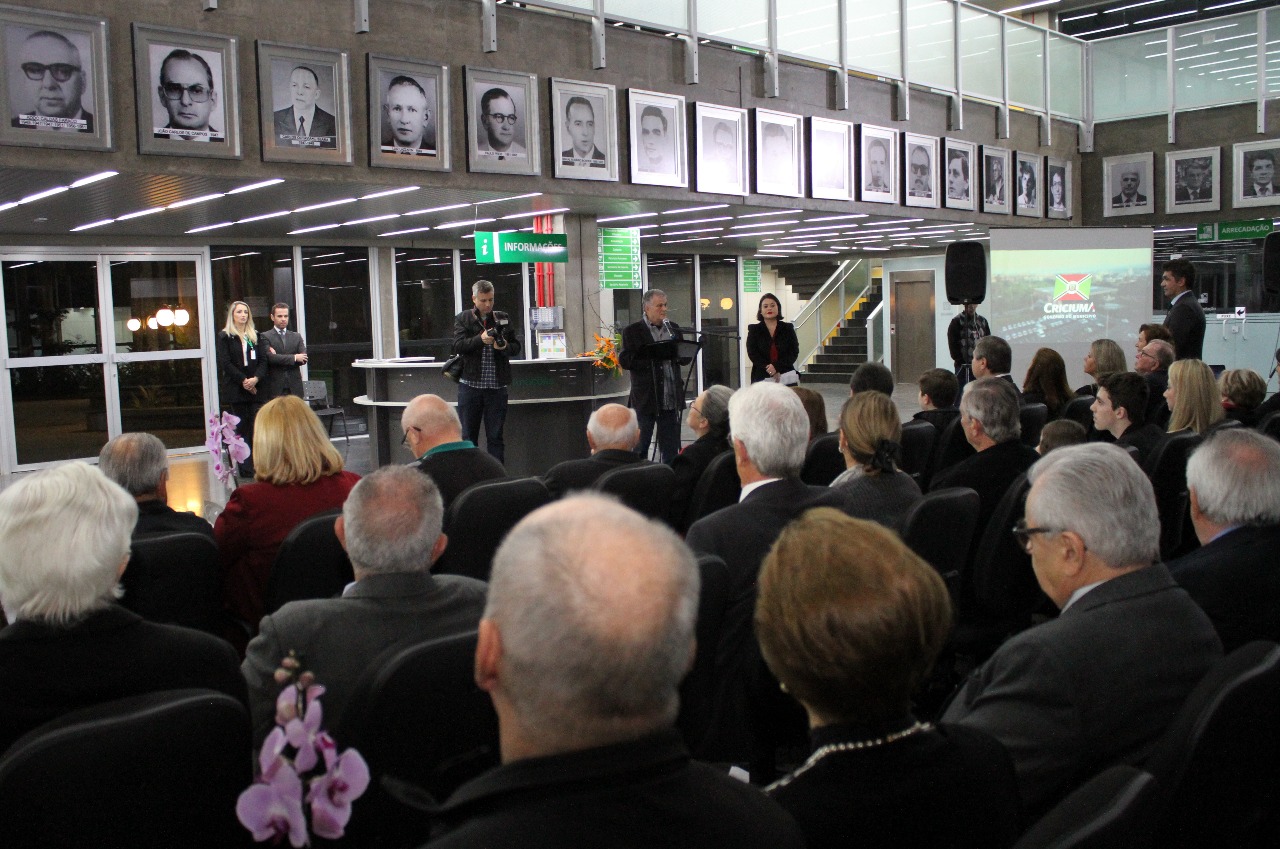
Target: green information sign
[[751, 275], [1228, 230], [521, 247], [619, 258]]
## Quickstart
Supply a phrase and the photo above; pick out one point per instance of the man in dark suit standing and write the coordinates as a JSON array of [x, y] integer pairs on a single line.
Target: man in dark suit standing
[[650, 351], [303, 123], [1098, 685], [612, 434], [1185, 318], [433, 432], [1234, 478], [139, 463], [286, 355]]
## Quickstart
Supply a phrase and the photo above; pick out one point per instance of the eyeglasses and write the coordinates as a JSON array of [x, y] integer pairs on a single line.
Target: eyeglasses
[[61, 71], [502, 119], [405, 439], [694, 407], [196, 93], [1145, 354], [1023, 534]]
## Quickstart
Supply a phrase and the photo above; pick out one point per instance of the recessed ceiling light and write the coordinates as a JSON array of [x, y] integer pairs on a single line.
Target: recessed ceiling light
[[93, 178], [210, 227], [193, 201], [370, 220], [467, 223], [56, 190], [314, 229], [92, 225], [260, 185], [695, 208], [625, 217], [141, 212], [398, 191], [266, 216], [325, 205]]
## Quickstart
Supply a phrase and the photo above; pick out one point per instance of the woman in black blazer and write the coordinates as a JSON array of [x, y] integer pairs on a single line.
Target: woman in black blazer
[[772, 345], [241, 368]]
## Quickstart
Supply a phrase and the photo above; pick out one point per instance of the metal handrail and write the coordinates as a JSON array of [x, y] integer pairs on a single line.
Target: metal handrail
[[808, 331]]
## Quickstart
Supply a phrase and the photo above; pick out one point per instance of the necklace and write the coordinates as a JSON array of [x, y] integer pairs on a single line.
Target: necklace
[[856, 745]]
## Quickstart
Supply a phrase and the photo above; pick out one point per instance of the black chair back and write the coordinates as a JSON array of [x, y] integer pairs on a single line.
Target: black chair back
[[1216, 762], [1167, 469], [174, 578], [479, 519], [1032, 418], [1003, 585], [644, 487], [158, 770], [956, 510], [316, 394], [718, 487], [1270, 425], [698, 690], [823, 461], [1115, 809], [311, 563], [1080, 409], [950, 448], [918, 437]]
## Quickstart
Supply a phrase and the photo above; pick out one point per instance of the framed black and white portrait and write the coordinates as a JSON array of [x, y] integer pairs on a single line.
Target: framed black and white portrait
[[305, 104], [659, 151], [1192, 179], [408, 114], [959, 161], [502, 122], [722, 149], [920, 170], [877, 164], [995, 180], [54, 71], [188, 94], [1029, 185], [1256, 181], [830, 159], [779, 154], [1126, 185], [1059, 189], [584, 129]]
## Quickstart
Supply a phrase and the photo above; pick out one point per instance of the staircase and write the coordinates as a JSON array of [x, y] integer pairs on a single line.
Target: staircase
[[845, 350]]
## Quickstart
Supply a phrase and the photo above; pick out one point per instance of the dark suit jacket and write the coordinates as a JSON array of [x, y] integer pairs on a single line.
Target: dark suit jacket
[[467, 331], [338, 638], [456, 469], [156, 517], [1144, 438], [1182, 194], [689, 465], [47, 671], [1095, 687], [642, 358], [1235, 580], [323, 127], [938, 418], [233, 368], [1157, 410], [282, 372], [758, 348], [581, 474], [1185, 321], [989, 473], [1251, 191], [1138, 200]]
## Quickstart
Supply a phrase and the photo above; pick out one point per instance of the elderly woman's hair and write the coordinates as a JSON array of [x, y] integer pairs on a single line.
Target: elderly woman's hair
[[290, 445], [1243, 387], [849, 619], [64, 534], [872, 432], [1108, 357], [1196, 401], [715, 409], [815, 407]]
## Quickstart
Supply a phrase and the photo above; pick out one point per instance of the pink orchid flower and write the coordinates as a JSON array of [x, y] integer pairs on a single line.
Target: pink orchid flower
[[273, 809], [331, 794], [302, 733]]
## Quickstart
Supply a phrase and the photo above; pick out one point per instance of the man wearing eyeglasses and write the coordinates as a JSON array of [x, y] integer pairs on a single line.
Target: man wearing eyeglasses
[[187, 93], [55, 80], [498, 118]]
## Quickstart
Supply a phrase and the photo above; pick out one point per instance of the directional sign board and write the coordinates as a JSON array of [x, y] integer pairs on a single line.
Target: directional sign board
[[1224, 231], [619, 258], [521, 247], [751, 275]]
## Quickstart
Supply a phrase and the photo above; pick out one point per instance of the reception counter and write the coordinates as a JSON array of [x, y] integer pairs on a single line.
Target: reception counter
[[549, 404]]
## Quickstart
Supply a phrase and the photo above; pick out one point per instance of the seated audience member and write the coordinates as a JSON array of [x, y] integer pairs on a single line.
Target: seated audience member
[[433, 433], [850, 622], [709, 420], [873, 487], [584, 641], [1149, 333], [1098, 685], [64, 534], [871, 377], [1153, 363], [1242, 392], [390, 527], [815, 407], [992, 357], [1104, 357], [1120, 409], [138, 462], [1234, 478], [1060, 434], [298, 474], [612, 434], [1193, 397], [1046, 382], [937, 396], [1270, 405]]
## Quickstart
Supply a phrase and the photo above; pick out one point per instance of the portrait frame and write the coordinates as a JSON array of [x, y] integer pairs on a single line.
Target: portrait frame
[[1113, 168], [88, 130], [1033, 164], [911, 194], [951, 148], [151, 47], [996, 196], [603, 99], [869, 135], [1242, 156], [332, 68], [1064, 167], [433, 154], [717, 175], [792, 168], [834, 156], [673, 109], [1177, 195], [522, 91]]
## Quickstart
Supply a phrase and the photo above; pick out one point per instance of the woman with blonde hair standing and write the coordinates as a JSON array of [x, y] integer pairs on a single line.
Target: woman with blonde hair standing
[[1193, 397], [241, 368]]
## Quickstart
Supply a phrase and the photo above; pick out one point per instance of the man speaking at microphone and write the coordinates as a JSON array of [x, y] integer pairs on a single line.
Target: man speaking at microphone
[[650, 352], [487, 341]]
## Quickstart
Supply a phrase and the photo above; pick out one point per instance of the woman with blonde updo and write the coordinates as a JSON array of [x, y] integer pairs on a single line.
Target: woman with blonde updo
[[870, 439]]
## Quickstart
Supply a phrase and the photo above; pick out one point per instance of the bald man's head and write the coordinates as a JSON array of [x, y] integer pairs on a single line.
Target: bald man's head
[[428, 421], [613, 426]]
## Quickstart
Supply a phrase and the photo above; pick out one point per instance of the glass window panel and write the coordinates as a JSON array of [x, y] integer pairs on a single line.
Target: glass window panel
[[259, 276], [1273, 52], [931, 48], [140, 290], [51, 308], [424, 303], [981, 65], [664, 13], [1215, 62], [809, 28], [1025, 47], [1130, 76], [743, 21], [1066, 81], [508, 292], [165, 398], [721, 357], [872, 37], [59, 412], [335, 291], [673, 274]]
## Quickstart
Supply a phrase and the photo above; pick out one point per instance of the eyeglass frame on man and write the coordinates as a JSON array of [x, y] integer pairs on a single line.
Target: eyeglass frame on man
[[501, 118], [174, 91], [60, 71], [1024, 534]]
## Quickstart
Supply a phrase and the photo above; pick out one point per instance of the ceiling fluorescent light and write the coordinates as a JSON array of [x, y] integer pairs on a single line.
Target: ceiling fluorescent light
[[401, 190], [467, 223], [513, 197], [56, 190], [193, 201], [265, 217], [259, 185], [431, 209], [314, 229], [325, 205], [626, 217], [141, 212], [536, 213], [210, 227], [695, 208], [371, 220], [92, 225], [404, 232], [93, 178], [1025, 6]]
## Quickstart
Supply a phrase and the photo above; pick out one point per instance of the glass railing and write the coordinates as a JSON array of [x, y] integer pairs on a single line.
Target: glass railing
[[877, 352], [834, 300]]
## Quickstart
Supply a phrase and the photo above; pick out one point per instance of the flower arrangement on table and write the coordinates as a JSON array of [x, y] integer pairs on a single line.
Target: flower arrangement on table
[[296, 756], [222, 434], [606, 353]]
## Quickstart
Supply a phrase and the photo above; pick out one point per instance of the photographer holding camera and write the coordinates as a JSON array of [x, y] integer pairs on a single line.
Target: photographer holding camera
[[486, 339]]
